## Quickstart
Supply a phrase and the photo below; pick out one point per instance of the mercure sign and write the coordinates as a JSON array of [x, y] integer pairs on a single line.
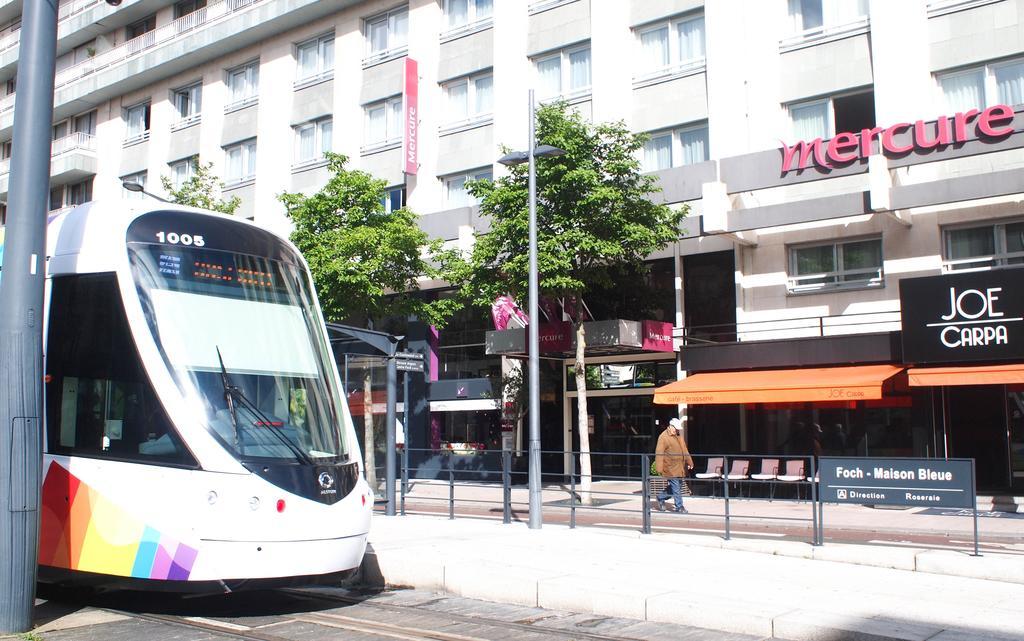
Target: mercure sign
[[845, 148]]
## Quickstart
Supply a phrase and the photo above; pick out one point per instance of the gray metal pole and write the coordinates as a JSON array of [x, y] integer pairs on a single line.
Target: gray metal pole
[[21, 317], [389, 420], [536, 518]]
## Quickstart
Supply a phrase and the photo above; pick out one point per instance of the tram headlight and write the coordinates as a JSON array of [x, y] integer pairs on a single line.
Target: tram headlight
[[211, 497], [254, 503]]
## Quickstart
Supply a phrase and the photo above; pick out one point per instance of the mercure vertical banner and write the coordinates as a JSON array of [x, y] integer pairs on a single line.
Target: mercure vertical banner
[[410, 146]]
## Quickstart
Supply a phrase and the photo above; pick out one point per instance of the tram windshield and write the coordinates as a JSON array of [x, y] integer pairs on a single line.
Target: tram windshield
[[242, 337]]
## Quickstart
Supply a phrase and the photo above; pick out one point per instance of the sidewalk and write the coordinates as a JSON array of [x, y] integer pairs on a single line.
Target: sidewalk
[[785, 589]]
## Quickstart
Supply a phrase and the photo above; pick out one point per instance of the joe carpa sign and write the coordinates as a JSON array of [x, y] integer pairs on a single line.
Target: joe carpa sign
[[978, 316]]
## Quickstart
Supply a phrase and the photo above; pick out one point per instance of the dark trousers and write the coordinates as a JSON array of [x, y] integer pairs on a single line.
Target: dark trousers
[[675, 490]]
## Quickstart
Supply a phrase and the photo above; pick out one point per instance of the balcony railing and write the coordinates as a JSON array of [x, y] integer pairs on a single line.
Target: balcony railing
[[788, 328], [216, 11], [983, 263], [76, 141], [836, 280]]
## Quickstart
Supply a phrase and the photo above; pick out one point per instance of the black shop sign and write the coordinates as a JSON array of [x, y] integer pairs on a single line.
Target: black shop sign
[[898, 481], [977, 316]]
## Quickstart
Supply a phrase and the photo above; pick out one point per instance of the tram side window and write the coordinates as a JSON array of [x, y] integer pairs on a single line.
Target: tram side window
[[99, 400]]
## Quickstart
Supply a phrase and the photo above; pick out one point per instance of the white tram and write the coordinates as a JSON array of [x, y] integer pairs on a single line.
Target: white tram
[[196, 433]]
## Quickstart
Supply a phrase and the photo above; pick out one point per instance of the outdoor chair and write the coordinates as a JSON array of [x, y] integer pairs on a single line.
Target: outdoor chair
[[794, 474], [769, 472], [713, 471], [738, 471]]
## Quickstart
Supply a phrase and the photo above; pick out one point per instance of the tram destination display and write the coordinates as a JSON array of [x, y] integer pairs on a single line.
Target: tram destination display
[[898, 481]]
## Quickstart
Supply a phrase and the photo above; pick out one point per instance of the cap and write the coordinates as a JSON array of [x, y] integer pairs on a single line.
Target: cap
[[676, 423]]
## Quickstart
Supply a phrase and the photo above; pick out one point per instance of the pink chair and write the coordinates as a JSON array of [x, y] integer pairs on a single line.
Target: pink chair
[[794, 474], [713, 471], [769, 472], [738, 471]]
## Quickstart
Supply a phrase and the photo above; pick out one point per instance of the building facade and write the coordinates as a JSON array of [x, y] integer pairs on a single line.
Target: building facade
[[794, 251]]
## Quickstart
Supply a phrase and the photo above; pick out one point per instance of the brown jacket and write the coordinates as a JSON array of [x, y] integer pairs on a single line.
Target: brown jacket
[[672, 456]]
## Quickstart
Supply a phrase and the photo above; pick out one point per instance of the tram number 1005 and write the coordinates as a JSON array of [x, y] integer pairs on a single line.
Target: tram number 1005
[[174, 238]]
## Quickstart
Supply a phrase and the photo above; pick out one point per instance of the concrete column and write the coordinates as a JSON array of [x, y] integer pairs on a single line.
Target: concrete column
[[512, 77], [900, 47], [611, 47]]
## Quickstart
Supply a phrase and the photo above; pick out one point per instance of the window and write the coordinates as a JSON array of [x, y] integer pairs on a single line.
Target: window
[[383, 122], [979, 87], [387, 34], [137, 119], [85, 123], [240, 161], [460, 13], [469, 98], [312, 139], [853, 264], [393, 199], [455, 187], [812, 17], [684, 146], [182, 170], [671, 45], [100, 402], [314, 59], [188, 104], [62, 196], [6, 148], [565, 73], [187, 6], [137, 178], [243, 85], [984, 246], [826, 117], [141, 35]]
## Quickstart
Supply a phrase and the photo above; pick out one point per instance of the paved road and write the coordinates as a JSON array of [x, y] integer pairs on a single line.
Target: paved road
[[329, 613]]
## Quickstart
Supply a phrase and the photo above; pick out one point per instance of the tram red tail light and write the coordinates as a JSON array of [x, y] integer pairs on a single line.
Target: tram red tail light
[[364, 499], [280, 505]]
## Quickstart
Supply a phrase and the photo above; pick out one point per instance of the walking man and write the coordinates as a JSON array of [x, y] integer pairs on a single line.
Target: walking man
[[672, 460]]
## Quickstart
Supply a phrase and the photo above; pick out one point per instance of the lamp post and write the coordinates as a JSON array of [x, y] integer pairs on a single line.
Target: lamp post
[[135, 187], [510, 159]]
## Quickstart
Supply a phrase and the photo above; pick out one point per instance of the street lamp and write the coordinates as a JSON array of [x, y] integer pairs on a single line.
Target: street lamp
[[133, 186], [510, 159]]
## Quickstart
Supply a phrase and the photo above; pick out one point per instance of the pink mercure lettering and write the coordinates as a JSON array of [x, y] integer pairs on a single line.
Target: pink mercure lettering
[[941, 133], [838, 144], [960, 121], [887, 139], [805, 150], [994, 115], [866, 136]]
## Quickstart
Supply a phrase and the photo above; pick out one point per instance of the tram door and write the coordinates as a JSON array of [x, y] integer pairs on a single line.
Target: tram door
[[977, 429]]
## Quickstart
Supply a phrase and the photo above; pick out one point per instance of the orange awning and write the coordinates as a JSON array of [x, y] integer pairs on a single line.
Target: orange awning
[[974, 375], [857, 383]]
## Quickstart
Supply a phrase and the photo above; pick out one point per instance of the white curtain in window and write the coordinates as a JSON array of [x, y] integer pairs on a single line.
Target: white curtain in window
[[484, 95], [458, 12], [327, 54], [136, 121], [840, 12], [234, 164], [398, 26], [458, 101], [456, 188], [378, 35], [694, 145], [810, 121], [806, 14], [250, 159], [1010, 83], [307, 60], [484, 8], [658, 152], [394, 119], [579, 69], [549, 77], [654, 48], [691, 40], [305, 143], [326, 135], [376, 125], [964, 91]]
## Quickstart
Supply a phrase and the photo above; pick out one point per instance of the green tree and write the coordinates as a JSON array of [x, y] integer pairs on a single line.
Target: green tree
[[366, 262], [595, 216], [202, 189]]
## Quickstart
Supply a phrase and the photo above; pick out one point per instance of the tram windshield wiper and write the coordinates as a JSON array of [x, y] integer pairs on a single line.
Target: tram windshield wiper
[[233, 394]]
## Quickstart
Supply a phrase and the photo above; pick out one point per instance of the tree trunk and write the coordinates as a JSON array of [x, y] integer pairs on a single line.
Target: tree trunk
[[369, 455], [582, 424]]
